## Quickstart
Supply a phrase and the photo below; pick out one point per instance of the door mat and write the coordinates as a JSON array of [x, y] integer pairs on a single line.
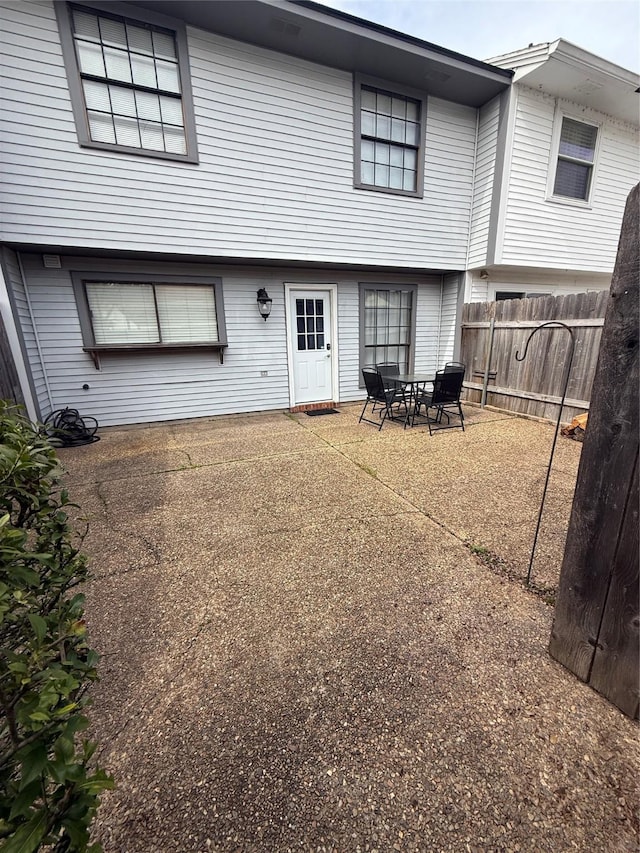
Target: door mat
[[313, 412]]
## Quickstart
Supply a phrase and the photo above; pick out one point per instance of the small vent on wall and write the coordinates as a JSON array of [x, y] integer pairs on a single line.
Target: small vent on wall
[[285, 27], [52, 262]]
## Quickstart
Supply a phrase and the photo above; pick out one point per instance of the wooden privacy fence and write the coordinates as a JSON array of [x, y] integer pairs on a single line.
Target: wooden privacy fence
[[492, 333]]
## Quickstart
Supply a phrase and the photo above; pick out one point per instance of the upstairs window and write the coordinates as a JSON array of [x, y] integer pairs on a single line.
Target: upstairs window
[[390, 132], [576, 159], [129, 83]]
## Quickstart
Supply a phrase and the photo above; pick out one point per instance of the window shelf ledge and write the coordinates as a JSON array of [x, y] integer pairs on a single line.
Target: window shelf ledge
[[100, 349]]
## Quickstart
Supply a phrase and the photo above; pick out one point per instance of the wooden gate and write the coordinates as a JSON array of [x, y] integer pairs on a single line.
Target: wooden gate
[[596, 630]]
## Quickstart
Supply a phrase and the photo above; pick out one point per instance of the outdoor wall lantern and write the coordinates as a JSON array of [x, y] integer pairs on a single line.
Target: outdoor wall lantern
[[264, 303]]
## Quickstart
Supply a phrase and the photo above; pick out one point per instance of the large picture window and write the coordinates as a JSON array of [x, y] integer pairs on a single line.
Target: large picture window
[[575, 159], [129, 82], [387, 325], [131, 313], [137, 312], [390, 132]]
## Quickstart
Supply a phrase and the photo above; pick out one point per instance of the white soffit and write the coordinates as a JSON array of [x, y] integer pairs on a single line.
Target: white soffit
[[566, 71]]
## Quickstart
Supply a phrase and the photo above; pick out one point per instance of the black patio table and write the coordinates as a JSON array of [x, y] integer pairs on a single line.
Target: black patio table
[[415, 382]]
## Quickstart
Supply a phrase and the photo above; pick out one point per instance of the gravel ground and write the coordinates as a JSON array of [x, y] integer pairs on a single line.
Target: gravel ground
[[300, 651]]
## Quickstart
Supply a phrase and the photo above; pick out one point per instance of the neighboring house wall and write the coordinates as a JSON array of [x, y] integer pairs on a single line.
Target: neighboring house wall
[[483, 189], [152, 385], [532, 282], [26, 352], [558, 234], [275, 178]]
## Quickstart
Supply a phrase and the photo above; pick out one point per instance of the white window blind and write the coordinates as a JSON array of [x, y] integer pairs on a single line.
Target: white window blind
[[576, 155], [122, 313], [136, 313], [187, 313]]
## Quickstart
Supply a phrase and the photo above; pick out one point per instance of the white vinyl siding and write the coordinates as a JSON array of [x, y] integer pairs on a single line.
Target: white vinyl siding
[[552, 233], [488, 121], [448, 318], [536, 281], [165, 385], [275, 139]]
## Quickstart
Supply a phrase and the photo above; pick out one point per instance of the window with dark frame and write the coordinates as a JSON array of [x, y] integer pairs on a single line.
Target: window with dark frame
[[140, 313], [119, 311], [129, 81], [387, 326], [576, 158], [390, 139]]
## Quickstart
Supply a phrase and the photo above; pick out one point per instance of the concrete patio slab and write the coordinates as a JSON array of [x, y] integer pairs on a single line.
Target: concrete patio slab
[[300, 653]]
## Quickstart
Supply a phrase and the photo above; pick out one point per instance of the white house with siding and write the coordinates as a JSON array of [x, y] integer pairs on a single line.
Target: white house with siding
[[164, 162], [558, 153]]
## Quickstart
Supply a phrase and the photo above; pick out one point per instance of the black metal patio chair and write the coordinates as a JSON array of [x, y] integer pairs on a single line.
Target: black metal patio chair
[[454, 366], [387, 399], [387, 369], [444, 400]]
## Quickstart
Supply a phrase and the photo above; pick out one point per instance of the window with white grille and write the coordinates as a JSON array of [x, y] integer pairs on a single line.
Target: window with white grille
[[575, 159]]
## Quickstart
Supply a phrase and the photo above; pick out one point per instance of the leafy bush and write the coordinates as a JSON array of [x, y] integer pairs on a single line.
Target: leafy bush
[[48, 793]]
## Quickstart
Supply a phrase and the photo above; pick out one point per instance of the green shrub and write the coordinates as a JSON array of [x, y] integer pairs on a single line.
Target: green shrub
[[48, 791]]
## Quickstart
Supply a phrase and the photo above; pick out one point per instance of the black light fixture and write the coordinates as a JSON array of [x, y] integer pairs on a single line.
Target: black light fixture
[[264, 303]]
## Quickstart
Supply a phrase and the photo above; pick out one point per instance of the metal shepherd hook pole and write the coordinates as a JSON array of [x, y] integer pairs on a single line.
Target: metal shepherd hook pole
[[555, 437]]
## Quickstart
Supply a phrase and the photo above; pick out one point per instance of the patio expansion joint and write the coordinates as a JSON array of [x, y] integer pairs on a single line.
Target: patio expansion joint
[[542, 592], [196, 466]]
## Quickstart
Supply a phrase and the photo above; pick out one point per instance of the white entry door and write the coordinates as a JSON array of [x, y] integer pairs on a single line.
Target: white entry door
[[311, 346]]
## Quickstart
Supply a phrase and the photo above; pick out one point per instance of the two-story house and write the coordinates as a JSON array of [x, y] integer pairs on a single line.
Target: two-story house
[[558, 153], [167, 163], [174, 172]]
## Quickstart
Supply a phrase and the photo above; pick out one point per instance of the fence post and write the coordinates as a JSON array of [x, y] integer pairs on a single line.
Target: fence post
[[597, 622], [487, 366]]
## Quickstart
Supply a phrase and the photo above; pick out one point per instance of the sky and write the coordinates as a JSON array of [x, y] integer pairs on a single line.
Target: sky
[[486, 28]]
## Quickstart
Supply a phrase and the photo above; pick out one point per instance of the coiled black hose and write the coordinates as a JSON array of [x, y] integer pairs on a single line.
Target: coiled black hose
[[65, 428]]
